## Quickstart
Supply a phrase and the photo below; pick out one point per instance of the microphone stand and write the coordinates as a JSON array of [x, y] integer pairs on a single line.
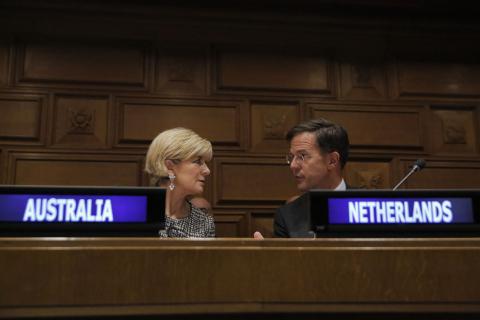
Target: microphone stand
[[419, 165], [415, 168]]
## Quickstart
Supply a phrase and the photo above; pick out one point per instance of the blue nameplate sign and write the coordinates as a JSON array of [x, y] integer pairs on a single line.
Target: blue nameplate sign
[[386, 211], [81, 210], [73, 208], [400, 211]]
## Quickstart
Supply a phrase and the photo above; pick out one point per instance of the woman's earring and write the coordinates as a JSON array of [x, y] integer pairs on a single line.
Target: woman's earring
[[171, 176]]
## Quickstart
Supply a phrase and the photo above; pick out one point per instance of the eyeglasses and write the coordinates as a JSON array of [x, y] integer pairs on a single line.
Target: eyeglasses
[[300, 158]]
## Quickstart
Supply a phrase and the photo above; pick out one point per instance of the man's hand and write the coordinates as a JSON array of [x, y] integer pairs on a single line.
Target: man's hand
[[258, 236]]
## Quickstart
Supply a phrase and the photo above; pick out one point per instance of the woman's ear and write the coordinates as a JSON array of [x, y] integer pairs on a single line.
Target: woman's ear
[[169, 164]]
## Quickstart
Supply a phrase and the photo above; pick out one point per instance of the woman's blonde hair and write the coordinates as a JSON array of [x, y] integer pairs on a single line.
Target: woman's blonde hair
[[174, 144]]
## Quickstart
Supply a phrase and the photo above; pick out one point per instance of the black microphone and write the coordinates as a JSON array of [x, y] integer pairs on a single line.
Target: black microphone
[[419, 165]]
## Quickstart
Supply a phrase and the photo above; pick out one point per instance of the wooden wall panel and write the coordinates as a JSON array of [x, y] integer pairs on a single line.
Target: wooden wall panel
[[22, 118], [443, 174], [246, 182], [4, 63], [140, 120], [262, 222], [76, 169], [437, 78], [94, 64], [363, 80], [80, 121], [370, 174], [377, 127], [274, 70], [230, 224], [454, 130], [270, 122], [243, 224], [182, 70]]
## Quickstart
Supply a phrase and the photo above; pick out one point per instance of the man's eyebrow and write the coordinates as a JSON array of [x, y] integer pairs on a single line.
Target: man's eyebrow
[[299, 151]]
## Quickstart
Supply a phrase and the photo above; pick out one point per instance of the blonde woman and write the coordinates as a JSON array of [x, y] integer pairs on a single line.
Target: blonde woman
[[176, 160]]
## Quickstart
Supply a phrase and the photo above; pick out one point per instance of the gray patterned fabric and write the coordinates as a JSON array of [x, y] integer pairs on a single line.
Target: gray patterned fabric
[[198, 224]]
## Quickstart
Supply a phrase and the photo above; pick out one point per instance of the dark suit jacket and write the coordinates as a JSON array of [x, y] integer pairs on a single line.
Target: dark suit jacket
[[292, 220]]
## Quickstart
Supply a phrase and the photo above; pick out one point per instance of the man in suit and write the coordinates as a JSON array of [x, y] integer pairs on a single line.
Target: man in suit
[[318, 153]]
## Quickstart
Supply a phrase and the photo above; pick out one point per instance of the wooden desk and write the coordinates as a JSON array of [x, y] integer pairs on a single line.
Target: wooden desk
[[382, 278]]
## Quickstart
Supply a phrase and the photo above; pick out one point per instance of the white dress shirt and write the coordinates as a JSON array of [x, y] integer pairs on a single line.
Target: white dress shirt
[[342, 186]]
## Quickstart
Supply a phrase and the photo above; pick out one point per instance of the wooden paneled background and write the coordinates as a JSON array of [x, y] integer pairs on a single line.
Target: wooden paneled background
[[86, 85]]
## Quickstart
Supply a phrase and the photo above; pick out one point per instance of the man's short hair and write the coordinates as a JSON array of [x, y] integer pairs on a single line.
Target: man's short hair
[[329, 136]]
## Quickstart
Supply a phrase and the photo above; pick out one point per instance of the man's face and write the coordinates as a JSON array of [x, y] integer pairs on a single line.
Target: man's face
[[312, 171]]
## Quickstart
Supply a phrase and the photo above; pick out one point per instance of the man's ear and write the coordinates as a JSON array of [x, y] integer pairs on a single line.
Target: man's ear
[[334, 160]]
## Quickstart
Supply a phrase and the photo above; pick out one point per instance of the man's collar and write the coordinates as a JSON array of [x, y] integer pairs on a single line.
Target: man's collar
[[342, 186]]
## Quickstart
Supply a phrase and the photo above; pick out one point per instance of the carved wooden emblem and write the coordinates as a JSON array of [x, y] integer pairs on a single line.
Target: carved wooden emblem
[[274, 126], [370, 179], [81, 121], [454, 131]]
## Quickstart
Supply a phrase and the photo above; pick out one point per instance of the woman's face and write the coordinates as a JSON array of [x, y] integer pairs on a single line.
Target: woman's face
[[191, 175]]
